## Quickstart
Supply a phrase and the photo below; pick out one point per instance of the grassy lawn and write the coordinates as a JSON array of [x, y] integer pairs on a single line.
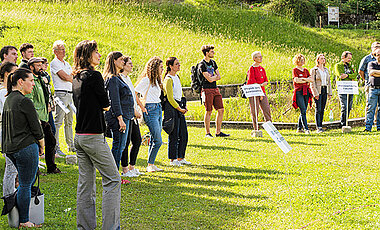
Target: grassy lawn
[[143, 30], [241, 183]]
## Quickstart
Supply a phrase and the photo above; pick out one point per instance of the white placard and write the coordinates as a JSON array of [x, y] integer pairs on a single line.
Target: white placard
[[252, 90], [333, 14], [73, 108], [59, 102], [347, 87], [277, 137]]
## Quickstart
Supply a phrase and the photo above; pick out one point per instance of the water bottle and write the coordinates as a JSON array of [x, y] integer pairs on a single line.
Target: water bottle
[[331, 116]]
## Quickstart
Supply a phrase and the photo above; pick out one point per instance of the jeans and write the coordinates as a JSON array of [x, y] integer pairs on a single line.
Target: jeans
[[26, 162], [320, 105], [60, 115], [343, 110], [178, 138], [373, 102], [302, 102], [153, 119], [134, 137], [119, 140], [93, 153]]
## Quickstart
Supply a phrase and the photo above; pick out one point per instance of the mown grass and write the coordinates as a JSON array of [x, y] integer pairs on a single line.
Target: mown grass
[[241, 183], [143, 30]]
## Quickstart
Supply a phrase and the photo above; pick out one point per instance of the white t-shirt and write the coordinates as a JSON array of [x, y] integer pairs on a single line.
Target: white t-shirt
[[177, 88], [128, 81], [323, 77], [55, 66], [154, 91]]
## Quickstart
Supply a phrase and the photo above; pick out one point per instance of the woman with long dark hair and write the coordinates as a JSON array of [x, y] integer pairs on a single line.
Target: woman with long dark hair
[[10, 171], [91, 100], [22, 137], [173, 90], [134, 134], [150, 86], [121, 111]]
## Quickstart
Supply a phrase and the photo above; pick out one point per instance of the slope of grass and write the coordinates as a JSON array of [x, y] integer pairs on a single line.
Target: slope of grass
[[241, 183], [143, 30]]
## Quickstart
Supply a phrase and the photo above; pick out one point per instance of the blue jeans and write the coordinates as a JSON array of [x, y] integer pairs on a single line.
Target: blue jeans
[[119, 141], [26, 162], [320, 105], [153, 119], [343, 109], [302, 102], [373, 101]]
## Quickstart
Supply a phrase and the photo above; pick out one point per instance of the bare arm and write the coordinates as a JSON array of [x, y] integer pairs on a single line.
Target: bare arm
[[143, 109], [64, 76], [299, 80], [361, 73], [374, 73], [41, 144], [264, 83], [217, 75]]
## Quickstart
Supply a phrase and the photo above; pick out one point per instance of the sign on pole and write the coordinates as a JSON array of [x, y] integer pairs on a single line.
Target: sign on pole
[[252, 90], [277, 137], [333, 15], [347, 87]]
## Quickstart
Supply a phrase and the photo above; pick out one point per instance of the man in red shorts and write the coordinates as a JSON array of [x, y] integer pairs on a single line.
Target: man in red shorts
[[210, 92]]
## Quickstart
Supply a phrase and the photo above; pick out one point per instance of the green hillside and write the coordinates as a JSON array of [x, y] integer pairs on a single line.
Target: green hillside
[[179, 29]]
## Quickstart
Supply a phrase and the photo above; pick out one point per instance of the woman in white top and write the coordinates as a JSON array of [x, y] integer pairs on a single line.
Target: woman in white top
[[321, 88], [178, 137], [150, 86], [10, 172], [134, 134]]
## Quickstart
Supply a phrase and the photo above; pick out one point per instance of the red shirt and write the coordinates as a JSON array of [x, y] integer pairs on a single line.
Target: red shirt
[[257, 75], [300, 74]]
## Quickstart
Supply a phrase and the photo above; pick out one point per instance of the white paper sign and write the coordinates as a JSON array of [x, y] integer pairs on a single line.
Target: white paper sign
[[73, 108], [277, 137], [347, 87], [333, 14], [59, 102], [252, 90]]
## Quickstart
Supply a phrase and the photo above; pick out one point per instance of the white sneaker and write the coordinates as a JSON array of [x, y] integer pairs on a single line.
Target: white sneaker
[[175, 163], [137, 172], [129, 174], [153, 168], [184, 162]]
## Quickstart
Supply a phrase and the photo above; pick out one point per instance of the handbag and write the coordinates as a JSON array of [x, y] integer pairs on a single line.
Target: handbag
[[36, 207], [169, 116]]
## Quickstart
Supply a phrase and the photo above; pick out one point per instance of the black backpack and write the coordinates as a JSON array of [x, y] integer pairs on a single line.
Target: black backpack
[[196, 78]]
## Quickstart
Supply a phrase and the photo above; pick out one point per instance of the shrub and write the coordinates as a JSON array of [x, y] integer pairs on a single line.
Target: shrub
[[302, 11]]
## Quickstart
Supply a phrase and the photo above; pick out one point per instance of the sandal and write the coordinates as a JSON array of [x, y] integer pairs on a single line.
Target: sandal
[[29, 225]]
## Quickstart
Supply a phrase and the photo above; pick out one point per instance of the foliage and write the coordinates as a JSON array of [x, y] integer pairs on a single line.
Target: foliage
[[239, 183], [367, 7], [302, 11]]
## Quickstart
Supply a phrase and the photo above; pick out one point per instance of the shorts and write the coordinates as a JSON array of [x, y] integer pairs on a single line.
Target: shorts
[[212, 97]]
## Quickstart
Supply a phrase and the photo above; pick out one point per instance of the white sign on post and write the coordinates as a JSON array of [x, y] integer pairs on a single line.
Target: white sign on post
[[277, 137], [252, 90], [347, 87], [333, 14]]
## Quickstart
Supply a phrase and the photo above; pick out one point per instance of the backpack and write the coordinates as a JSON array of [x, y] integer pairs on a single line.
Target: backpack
[[196, 78]]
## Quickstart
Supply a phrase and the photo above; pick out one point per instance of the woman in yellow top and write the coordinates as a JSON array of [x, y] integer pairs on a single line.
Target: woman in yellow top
[[173, 90]]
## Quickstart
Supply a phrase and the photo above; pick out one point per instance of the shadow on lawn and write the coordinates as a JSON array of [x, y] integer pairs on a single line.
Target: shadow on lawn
[[220, 148]]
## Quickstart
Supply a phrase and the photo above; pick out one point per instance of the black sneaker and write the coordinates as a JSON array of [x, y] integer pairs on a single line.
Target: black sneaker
[[55, 171], [221, 134], [366, 130], [209, 135]]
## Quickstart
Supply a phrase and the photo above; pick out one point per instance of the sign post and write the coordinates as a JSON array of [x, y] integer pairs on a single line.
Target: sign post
[[333, 15], [348, 88], [254, 90]]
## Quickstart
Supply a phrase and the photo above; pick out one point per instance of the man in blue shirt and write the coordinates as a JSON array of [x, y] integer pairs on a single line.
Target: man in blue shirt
[[374, 92]]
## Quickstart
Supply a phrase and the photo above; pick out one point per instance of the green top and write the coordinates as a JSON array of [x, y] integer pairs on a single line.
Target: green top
[[168, 90], [38, 98], [21, 126], [339, 70]]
